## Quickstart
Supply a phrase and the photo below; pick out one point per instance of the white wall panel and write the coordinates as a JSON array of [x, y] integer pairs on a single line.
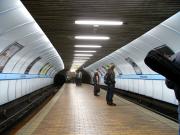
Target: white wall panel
[[130, 85], [12, 90], [3, 92], [6, 23], [27, 90], [126, 84], [142, 89], [9, 4], [167, 36], [30, 86], [23, 87], [172, 22], [117, 83], [135, 85], [122, 84], [168, 95], [157, 89], [149, 88], [18, 89]]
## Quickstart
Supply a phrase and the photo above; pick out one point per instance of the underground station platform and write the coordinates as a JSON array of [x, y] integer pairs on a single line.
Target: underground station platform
[[74, 110]]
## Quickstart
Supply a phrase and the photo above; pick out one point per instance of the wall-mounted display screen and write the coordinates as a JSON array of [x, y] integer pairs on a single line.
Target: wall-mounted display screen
[[136, 68], [31, 65], [8, 53]]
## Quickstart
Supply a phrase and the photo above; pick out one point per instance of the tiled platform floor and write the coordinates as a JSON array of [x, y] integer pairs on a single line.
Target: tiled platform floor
[[75, 111]]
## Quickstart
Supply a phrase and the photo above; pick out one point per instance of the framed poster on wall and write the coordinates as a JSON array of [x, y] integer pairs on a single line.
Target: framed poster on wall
[[8, 53], [45, 69], [136, 68], [31, 65]]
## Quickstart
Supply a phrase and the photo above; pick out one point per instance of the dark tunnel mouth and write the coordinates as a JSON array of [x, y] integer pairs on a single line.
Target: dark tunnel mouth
[[59, 79], [86, 78]]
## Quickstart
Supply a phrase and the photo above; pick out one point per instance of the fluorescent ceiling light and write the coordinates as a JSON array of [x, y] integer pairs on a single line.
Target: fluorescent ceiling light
[[84, 51], [88, 46], [95, 22], [77, 64], [81, 58], [79, 61], [80, 54], [92, 37]]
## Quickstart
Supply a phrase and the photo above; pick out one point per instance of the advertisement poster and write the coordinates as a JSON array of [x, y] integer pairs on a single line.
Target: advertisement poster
[[8, 53], [101, 74], [134, 65], [50, 66], [116, 70], [45, 69], [103, 70], [31, 65]]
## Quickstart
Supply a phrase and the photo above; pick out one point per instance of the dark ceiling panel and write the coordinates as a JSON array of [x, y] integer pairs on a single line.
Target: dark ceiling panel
[[56, 18]]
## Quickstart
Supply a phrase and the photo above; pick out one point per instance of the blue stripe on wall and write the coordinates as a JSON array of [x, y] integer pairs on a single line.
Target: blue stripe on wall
[[142, 77], [17, 76]]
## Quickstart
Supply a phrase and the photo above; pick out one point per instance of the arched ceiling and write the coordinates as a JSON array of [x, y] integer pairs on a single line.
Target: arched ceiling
[[56, 18]]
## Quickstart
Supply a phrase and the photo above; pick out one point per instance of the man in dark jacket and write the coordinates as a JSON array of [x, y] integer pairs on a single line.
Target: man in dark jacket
[[111, 85], [176, 87]]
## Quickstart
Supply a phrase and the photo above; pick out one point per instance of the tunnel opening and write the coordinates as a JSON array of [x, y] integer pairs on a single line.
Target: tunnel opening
[[60, 79], [86, 78], [71, 77]]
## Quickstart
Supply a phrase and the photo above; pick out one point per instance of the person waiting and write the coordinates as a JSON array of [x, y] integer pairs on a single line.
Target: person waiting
[[96, 80], [110, 81]]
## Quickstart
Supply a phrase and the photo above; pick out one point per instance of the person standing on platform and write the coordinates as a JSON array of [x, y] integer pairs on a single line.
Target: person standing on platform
[[96, 80], [78, 78], [110, 81], [176, 87]]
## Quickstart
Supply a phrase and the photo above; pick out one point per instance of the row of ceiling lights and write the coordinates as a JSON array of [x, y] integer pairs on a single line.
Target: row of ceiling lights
[[81, 56]]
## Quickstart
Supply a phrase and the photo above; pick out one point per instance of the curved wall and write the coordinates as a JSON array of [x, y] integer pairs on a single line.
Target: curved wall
[[131, 72], [28, 60]]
